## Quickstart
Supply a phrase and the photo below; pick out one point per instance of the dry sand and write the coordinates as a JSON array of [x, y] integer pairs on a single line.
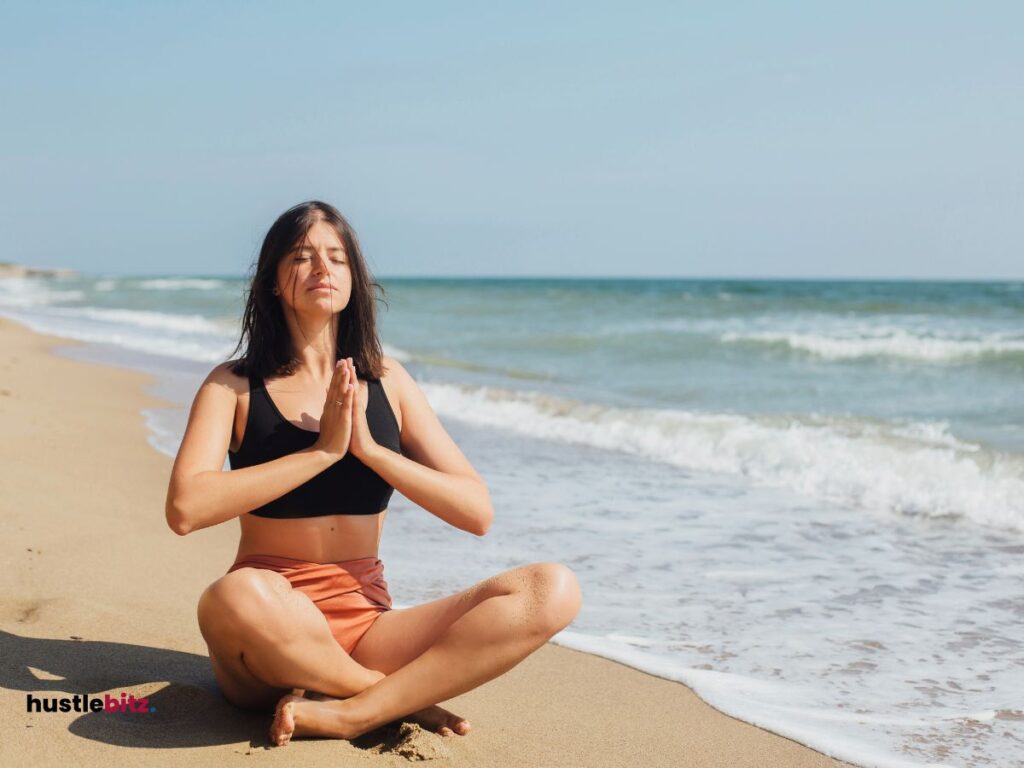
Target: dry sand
[[98, 596]]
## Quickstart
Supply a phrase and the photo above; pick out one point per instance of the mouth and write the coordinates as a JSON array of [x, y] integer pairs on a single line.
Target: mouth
[[321, 288]]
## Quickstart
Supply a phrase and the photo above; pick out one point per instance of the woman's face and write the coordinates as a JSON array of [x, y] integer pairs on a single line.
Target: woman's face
[[319, 261]]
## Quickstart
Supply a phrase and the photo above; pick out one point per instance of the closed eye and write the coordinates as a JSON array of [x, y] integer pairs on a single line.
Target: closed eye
[[306, 258]]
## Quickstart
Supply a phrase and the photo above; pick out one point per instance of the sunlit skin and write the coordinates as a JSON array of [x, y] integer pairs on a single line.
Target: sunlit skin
[[311, 312], [410, 658]]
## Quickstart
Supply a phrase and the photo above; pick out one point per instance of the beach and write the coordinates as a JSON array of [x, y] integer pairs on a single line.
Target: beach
[[99, 598]]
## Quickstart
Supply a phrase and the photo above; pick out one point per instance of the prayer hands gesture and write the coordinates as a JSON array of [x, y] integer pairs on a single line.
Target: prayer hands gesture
[[343, 426]]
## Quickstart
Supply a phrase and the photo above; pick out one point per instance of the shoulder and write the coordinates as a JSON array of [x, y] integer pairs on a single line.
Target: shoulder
[[222, 376], [394, 370], [398, 379]]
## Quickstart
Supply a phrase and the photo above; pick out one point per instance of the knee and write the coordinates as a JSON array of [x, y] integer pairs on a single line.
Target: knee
[[240, 601], [556, 597]]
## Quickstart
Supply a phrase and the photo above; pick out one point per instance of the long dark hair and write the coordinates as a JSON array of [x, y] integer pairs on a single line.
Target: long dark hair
[[265, 334]]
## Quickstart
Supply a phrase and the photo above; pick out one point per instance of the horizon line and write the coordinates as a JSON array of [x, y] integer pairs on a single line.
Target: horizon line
[[708, 277]]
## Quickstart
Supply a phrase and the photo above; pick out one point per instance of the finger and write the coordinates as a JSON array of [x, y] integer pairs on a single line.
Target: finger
[[336, 377], [334, 389]]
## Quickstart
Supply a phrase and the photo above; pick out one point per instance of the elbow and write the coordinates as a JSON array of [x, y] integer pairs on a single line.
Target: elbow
[[486, 516], [176, 518], [484, 525]]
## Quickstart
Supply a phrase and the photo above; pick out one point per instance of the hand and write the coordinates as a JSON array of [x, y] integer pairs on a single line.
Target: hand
[[362, 443], [336, 420]]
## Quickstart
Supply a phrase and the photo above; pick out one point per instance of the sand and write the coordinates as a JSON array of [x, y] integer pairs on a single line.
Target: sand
[[98, 597]]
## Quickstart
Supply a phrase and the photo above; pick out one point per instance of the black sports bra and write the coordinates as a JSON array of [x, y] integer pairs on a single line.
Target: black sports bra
[[347, 487]]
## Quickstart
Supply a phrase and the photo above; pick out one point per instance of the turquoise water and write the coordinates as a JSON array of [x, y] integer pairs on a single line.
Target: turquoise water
[[804, 499], [950, 352]]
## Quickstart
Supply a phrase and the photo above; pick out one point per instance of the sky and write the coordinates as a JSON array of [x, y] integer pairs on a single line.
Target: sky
[[728, 139]]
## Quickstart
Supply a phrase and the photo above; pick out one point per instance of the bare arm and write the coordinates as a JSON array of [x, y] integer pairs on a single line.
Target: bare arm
[[433, 472], [200, 494]]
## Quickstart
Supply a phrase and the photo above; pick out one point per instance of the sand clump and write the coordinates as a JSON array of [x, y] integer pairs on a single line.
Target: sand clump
[[412, 742]]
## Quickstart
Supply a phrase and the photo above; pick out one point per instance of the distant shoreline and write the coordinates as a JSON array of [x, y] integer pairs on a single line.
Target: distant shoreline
[[9, 269]]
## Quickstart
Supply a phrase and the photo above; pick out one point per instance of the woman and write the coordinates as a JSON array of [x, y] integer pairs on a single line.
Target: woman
[[305, 605]]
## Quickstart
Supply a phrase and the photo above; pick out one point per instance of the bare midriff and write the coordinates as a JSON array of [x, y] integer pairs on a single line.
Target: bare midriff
[[325, 539]]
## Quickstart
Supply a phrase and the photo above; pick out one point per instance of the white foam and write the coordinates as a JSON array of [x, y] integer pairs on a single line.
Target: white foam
[[181, 284], [145, 333], [907, 468], [25, 292], [136, 318], [892, 342], [769, 704], [927, 339]]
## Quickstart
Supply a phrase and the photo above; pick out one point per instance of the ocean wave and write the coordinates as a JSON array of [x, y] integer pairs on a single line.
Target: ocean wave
[[440, 361], [189, 337], [34, 292], [886, 342], [182, 283], [915, 469], [200, 348], [136, 318]]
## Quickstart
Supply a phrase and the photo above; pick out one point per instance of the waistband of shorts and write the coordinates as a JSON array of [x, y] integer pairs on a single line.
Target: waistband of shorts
[[286, 563]]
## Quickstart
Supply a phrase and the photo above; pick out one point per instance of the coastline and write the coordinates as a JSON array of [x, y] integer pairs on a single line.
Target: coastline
[[89, 556]]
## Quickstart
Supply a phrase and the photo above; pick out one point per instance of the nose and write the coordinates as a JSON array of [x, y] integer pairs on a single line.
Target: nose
[[319, 264]]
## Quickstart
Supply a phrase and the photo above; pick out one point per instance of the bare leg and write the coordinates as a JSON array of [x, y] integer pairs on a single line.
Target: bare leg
[[434, 718], [267, 636], [488, 640]]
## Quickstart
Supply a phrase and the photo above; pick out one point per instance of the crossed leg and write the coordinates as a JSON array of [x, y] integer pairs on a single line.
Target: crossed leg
[[267, 639], [433, 652]]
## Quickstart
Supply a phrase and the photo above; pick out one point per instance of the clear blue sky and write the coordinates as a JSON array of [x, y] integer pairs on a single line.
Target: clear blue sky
[[774, 139]]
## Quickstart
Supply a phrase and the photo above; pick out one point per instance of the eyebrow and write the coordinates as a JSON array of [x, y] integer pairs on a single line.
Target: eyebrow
[[311, 248]]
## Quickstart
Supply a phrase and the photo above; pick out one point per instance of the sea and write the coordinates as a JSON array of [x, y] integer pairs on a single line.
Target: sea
[[803, 499]]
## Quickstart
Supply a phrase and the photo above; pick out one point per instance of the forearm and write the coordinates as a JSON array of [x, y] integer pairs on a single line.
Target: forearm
[[212, 497], [459, 500]]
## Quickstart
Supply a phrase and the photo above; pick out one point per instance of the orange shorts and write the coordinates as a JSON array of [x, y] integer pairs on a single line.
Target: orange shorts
[[352, 594]]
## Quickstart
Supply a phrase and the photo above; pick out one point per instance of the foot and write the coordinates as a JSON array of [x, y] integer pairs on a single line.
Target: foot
[[296, 716], [434, 718], [439, 720], [283, 727]]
